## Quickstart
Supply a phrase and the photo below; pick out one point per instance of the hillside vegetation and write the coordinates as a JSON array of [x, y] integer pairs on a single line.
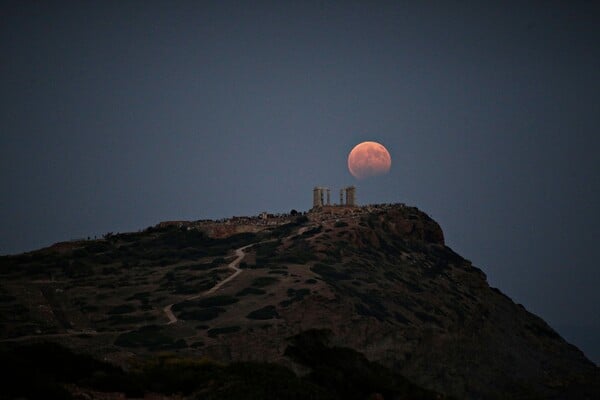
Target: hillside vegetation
[[342, 302]]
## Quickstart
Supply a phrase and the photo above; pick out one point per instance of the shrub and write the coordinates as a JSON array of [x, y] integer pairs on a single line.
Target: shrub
[[264, 281], [121, 309], [169, 374], [250, 290], [225, 330], [183, 287], [98, 246], [330, 273], [46, 368], [267, 312], [201, 314], [110, 271], [299, 253], [223, 300], [312, 231], [130, 319], [150, 336], [301, 220], [141, 296], [5, 298], [80, 253], [266, 251], [278, 272], [295, 295], [39, 371], [218, 261], [348, 373], [262, 381]]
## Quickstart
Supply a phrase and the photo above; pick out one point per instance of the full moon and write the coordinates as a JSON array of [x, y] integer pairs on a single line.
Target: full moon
[[369, 159]]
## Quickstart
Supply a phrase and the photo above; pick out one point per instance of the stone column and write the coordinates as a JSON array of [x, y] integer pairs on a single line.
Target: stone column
[[351, 196], [317, 197]]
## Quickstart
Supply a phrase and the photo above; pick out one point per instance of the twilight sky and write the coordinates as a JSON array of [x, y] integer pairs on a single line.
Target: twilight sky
[[115, 115]]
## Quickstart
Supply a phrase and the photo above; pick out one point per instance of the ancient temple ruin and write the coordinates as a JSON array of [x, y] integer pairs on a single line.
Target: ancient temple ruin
[[322, 196], [319, 196]]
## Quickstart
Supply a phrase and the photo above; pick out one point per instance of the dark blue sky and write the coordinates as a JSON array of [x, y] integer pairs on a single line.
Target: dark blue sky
[[116, 115]]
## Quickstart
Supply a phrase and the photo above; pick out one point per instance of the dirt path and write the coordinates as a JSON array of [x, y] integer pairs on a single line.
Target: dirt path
[[168, 310]]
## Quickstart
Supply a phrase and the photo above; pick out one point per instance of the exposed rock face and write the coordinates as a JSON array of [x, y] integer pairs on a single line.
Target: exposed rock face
[[408, 223], [378, 280]]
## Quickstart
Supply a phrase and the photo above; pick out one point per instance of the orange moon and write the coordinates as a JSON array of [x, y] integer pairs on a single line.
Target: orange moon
[[369, 159]]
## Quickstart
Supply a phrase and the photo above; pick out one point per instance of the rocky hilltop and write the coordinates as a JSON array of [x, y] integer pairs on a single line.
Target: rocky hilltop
[[371, 289]]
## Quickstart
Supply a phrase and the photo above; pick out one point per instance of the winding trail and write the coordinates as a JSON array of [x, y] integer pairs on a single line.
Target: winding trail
[[168, 310], [234, 265]]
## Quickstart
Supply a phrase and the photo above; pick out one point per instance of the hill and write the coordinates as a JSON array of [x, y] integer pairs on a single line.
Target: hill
[[355, 301]]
